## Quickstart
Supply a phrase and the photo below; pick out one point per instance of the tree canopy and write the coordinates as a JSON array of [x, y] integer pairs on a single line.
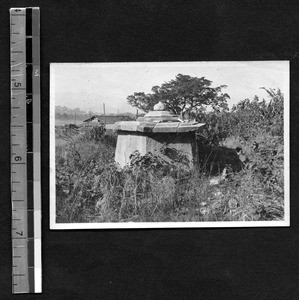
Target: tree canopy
[[184, 94]]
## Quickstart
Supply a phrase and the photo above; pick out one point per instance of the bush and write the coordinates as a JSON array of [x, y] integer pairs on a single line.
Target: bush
[[246, 120], [94, 133]]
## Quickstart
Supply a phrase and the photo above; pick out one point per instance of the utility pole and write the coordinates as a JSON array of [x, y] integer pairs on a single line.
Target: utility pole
[[104, 113], [137, 114]]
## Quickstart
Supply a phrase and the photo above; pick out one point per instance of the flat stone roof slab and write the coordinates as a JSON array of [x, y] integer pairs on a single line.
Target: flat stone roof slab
[[185, 127], [146, 127], [138, 126]]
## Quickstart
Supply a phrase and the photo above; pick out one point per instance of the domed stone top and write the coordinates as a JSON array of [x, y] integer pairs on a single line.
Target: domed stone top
[[159, 106], [159, 114]]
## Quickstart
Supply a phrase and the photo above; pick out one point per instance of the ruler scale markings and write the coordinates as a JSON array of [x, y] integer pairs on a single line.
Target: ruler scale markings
[[26, 221], [20, 285], [29, 108]]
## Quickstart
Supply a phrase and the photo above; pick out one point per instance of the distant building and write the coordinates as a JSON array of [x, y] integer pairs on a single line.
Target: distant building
[[110, 119], [93, 119]]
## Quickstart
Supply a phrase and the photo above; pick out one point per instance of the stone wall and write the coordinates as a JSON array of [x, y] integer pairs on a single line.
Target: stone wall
[[182, 143]]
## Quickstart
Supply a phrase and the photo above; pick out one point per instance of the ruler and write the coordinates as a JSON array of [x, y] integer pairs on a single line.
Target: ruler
[[25, 150]]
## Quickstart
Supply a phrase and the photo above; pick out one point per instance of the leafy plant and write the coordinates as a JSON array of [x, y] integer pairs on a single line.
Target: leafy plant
[[184, 94]]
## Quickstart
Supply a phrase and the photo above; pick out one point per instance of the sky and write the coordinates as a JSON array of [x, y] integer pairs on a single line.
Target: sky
[[89, 85]]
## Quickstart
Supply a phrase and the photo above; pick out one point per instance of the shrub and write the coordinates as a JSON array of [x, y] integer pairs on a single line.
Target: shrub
[[94, 133]]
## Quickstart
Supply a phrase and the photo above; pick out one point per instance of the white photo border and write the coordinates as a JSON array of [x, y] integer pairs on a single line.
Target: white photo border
[[143, 225]]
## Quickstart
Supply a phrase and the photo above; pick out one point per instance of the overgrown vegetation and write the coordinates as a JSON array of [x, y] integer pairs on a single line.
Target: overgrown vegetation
[[247, 141]]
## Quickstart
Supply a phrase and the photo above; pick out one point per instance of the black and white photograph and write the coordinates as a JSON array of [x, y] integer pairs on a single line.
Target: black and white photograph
[[149, 149], [169, 144]]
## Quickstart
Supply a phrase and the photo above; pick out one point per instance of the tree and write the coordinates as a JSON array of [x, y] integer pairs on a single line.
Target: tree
[[186, 94]]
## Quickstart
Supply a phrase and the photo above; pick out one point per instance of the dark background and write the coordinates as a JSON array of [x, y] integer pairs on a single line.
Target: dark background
[[256, 263]]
